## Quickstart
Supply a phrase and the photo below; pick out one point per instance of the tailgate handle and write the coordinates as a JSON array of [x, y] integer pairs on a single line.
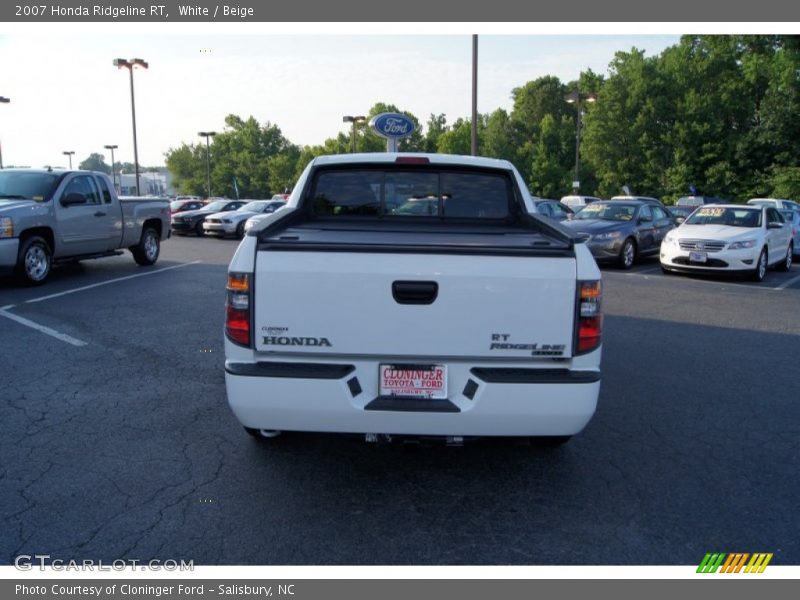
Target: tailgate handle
[[415, 292]]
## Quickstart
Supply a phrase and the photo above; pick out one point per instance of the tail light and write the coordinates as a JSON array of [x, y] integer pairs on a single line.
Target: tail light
[[237, 308], [588, 318]]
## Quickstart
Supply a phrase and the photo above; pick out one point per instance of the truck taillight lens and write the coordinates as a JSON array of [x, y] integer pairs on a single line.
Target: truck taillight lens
[[589, 320], [237, 308]]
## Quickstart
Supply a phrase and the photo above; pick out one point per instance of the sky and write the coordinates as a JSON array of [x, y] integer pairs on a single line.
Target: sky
[[66, 94]]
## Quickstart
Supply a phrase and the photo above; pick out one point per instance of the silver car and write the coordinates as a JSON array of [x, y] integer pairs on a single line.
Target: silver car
[[232, 223], [793, 220]]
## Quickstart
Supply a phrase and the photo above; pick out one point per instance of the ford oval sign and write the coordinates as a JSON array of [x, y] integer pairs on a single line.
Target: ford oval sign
[[392, 126]]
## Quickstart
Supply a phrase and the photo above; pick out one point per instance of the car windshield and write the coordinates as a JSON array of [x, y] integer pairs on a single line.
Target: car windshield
[[720, 215], [606, 212], [256, 206], [681, 211], [789, 214], [216, 206], [15, 185]]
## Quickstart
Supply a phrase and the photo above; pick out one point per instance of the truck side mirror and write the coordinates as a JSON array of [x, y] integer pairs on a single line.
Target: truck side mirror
[[73, 198]]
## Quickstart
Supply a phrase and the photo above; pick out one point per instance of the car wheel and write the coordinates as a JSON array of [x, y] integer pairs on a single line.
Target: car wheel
[[198, 229], [627, 256], [262, 434], [147, 250], [240, 230], [34, 260], [761, 266], [787, 262]]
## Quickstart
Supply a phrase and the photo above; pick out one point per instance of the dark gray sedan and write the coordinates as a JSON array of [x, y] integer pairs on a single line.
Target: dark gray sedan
[[622, 230]]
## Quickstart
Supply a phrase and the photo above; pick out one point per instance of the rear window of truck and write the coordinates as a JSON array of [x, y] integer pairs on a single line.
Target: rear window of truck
[[391, 193]]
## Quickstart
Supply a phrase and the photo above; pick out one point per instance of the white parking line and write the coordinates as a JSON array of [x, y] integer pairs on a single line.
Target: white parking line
[[63, 336], [46, 330], [650, 270], [720, 282], [786, 284], [94, 285]]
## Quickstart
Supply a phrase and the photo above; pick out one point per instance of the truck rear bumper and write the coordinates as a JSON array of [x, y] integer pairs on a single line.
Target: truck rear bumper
[[343, 397]]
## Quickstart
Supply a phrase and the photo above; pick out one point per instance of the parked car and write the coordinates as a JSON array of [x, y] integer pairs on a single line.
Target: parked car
[[793, 220], [778, 203], [622, 230], [49, 216], [729, 238], [177, 206], [680, 213], [191, 221], [577, 202], [553, 209], [343, 315], [232, 222], [695, 201], [647, 199], [188, 198], [258, 219]]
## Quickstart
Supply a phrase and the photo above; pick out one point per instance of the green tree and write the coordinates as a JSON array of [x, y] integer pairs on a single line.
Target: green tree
[[245, 151], [436, 126], [498, 135], [95, 162], [458, 138], [187, 166], [624, 138], [532, 101], [549, 177]]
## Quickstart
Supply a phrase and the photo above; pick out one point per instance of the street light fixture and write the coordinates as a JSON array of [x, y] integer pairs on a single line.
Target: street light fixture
[[3, 100], [207, 135], [69, 153], [113, 147], [131, 64], [578, 98], [354, 120]]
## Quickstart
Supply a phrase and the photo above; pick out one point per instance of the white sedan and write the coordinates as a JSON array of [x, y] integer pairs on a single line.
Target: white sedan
[[729, 238], [232, 222]]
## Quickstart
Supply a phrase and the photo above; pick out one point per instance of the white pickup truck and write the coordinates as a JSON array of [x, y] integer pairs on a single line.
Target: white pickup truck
[[49, 216], [412, 294]]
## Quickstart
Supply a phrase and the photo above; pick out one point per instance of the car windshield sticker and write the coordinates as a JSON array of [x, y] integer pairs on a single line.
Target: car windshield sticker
[[710, 212]]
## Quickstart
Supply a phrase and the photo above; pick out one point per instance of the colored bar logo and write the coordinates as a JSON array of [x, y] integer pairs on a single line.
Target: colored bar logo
[[734, 562]]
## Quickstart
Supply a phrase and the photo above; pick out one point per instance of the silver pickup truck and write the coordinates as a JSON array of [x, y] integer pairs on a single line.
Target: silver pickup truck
[[49, 216]]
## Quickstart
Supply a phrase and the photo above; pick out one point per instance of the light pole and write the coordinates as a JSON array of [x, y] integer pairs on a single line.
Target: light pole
[[113, 147], [69, 153], [3, 100], [578, 99], [354, 120], [122, 63], [207, 135], [474, 132]]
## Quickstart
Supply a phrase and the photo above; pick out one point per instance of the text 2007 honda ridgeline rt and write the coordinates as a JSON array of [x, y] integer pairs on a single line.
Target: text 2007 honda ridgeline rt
[[412, 294]]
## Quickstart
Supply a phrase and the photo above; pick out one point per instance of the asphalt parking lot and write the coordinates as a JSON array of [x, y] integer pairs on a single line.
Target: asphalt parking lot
[[117, 441]]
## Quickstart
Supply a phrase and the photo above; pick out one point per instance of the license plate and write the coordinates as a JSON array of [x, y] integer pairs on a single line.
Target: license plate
[[699, 257], [421, 381]]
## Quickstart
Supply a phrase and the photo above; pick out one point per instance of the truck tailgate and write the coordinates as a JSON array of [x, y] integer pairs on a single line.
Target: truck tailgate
[[414, 305]]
